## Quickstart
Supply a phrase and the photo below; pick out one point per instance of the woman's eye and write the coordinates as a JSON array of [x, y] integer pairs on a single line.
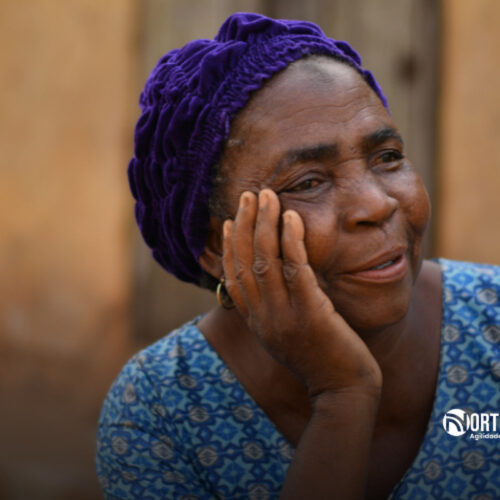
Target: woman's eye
[[304, 185], [390, 156]]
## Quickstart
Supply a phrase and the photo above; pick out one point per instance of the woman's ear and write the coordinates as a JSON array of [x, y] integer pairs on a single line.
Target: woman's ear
[[211, 257]]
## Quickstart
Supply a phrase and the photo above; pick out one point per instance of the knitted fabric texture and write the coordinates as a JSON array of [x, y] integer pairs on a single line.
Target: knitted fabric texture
[[187, 105]]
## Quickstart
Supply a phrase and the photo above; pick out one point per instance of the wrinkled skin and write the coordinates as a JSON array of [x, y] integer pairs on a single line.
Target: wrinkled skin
[[319, 193], [354, 202]]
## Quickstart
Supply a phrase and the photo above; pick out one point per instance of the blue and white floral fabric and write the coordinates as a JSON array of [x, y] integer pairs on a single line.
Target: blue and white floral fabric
[[177, 424]]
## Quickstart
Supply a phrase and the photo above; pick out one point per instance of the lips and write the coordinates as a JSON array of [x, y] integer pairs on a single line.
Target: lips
[[387, 267]]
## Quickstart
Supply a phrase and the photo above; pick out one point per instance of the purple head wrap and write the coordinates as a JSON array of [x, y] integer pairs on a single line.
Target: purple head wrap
[[187, 106]]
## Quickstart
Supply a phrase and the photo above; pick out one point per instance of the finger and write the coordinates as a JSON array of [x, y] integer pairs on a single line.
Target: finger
[[228, 265], [298, 275], [292, 238], [267, 266], [243, 236]]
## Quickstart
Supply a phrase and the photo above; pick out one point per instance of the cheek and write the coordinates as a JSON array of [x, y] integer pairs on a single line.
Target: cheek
[[417, 209], [321, 235], [417, 205]]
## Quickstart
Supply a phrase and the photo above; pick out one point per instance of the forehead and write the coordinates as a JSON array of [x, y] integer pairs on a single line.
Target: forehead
[[308, 96]]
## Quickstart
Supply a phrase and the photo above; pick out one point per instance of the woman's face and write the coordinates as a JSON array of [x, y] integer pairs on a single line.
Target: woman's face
[[320, 138]]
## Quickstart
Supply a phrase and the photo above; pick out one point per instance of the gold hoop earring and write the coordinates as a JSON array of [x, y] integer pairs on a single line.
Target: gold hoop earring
[[223, 298]]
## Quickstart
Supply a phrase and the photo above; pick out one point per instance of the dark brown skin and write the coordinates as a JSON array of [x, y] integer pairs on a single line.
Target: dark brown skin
[[342, 360]]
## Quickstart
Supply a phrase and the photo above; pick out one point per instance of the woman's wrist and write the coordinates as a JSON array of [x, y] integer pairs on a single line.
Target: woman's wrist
[[332, 402]]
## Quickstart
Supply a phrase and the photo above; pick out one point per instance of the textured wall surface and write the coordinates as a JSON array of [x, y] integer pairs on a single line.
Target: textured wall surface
[[469, 132], [65, 97], [79, 291]]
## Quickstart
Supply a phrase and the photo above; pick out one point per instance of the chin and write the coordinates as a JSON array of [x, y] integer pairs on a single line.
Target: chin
[[374, 312], [363, 324]]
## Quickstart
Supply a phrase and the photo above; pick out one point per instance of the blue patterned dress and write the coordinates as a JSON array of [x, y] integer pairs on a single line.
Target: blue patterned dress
[[177, 424]]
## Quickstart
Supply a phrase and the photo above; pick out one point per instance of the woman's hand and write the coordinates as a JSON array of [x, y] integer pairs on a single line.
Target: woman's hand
[[276, 291]]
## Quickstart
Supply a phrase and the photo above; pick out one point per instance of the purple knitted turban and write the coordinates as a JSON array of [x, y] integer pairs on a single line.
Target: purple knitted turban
[[187, 106]]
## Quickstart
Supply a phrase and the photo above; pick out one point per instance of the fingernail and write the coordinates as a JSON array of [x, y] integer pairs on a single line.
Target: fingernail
[[226, 228], [263, 199], [287, 217], [244, 200]]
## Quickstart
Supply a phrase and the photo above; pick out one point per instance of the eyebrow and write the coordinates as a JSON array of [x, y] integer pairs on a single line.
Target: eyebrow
[[330, 151], [380, 136], [305, 154]]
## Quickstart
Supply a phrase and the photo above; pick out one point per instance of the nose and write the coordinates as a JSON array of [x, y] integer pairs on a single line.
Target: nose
[[368, 204]]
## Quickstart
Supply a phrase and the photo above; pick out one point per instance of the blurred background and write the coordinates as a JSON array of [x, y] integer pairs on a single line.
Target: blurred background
[[79, 292]]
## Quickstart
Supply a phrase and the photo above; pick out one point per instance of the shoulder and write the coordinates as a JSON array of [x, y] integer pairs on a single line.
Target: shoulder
[[139, 448], [465, 273], [152, 371], [163, 357], [471, 310], [469, 380], [471, 283]]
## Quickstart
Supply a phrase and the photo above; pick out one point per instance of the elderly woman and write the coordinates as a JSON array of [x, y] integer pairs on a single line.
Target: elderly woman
[[268, 169]]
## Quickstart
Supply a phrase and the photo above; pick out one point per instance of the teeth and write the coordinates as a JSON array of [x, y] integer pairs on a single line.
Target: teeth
[[384, 265]]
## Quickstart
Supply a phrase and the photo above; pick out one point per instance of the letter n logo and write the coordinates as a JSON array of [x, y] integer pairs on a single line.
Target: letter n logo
[[456, 422]]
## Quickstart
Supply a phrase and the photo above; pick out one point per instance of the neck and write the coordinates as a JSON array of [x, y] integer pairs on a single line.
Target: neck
[[389, 342], [408, 351]]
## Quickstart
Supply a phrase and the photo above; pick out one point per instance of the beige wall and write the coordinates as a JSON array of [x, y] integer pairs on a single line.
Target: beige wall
[[65, 101], [469, 132], [70, 277]]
